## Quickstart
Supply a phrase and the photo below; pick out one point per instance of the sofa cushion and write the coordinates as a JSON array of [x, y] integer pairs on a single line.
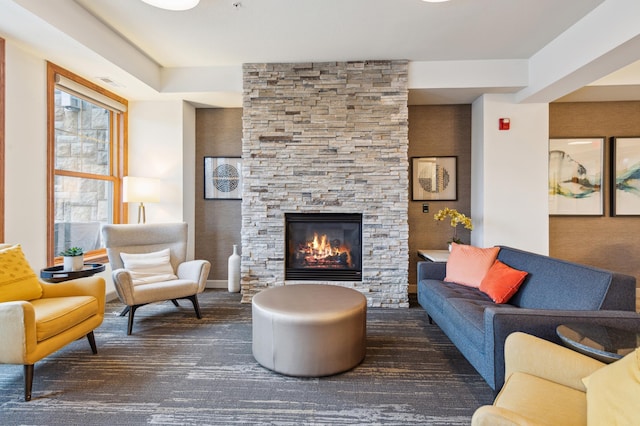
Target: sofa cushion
[[18, 281], [467, 265], [467, 318], [502, 282], [542, 401], [613, 392], [57, 314], [556, 284], [149, 267]]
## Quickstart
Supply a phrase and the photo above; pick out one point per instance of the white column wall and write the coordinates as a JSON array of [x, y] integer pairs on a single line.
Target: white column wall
[[188, 174], [509, 196]]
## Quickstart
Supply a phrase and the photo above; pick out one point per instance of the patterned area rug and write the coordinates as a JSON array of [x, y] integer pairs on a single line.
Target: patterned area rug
[[178, 370]]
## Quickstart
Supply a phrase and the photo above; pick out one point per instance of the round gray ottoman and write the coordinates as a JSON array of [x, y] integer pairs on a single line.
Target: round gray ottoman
[[309, 330]]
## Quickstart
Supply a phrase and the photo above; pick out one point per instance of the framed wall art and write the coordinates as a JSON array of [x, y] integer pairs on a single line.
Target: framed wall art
[[625, 176], [575, 176], [222, 178], [434, 178]]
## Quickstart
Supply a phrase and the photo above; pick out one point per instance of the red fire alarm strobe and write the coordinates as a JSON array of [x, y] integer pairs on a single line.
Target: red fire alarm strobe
[[504, 123]]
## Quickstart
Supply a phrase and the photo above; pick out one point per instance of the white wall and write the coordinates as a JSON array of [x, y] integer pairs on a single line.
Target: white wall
[[509, 196], [161, 142], [26, 154]]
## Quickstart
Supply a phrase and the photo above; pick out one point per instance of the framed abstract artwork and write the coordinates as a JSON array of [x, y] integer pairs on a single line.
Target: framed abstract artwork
[[223, 178], [625, 176], [434, 178], [575, 176]]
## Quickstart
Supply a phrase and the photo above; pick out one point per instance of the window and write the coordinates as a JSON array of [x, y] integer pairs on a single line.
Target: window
[[87, 160]]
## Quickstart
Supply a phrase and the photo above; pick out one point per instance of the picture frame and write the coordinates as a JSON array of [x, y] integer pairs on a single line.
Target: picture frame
[[576, 186], [434, 178], [222, 178], [625, 176]]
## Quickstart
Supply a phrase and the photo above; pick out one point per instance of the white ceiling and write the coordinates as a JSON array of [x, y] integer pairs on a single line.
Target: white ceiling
[[145, 50]]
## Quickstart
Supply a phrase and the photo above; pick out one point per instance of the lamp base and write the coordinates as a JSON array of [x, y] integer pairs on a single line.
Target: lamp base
[[142, 218]]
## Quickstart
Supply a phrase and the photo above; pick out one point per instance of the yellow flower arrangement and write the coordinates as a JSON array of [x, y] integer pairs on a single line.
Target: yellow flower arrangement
[[457, 218]]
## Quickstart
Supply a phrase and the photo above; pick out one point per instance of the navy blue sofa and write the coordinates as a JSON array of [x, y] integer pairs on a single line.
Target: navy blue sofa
[[554, 292]]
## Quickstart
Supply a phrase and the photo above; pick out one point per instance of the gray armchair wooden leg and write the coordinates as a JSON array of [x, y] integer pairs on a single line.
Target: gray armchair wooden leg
[[196, 305], [132, 311]]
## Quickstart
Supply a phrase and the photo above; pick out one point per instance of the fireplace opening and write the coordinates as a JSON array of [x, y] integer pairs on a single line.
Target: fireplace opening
[[323, 246]]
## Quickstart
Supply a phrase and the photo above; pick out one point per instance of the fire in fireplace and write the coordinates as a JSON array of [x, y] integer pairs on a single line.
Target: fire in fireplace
[[323, 246]]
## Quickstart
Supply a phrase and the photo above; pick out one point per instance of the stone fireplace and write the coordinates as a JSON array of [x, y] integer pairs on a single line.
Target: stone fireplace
[[326, 138]]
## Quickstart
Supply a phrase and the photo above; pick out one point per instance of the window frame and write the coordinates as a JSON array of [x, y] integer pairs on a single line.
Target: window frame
[[118, 158]]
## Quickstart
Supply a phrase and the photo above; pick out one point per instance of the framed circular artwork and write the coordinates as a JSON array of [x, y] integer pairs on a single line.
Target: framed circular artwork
[[434, 178], [223, 178]]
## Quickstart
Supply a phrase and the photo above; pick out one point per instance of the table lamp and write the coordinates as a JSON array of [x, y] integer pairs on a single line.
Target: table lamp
[[140, 190]]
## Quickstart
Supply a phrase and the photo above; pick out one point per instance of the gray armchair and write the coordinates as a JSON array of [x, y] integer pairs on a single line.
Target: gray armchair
[[186, 279]]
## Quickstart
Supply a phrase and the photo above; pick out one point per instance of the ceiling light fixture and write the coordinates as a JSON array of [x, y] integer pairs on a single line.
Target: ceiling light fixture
[[173, 4], [435, 1]]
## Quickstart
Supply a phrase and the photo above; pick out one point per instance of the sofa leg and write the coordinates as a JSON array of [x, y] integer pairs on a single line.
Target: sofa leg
[[196, 305], [28, 381], [430, 319], [92, 342]]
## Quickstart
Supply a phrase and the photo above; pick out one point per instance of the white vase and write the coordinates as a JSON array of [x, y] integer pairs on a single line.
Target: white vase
[[73, 263], [234, 271]]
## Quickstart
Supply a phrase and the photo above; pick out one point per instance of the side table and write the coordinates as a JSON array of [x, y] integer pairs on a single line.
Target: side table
[[606, 344], [57, 274], [434, 255]]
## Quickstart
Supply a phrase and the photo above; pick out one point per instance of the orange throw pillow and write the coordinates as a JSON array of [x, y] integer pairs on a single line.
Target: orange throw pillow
[[467, 265], [502, 282]]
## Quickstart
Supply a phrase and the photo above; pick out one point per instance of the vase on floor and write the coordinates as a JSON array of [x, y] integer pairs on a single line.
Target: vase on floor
[[234, 271]]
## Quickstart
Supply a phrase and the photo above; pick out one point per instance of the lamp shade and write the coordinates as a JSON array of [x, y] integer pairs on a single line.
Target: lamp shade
[[140, 190]]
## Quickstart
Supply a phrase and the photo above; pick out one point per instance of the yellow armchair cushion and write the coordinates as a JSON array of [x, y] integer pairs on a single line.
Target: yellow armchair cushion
[[57, 314], [542, 401], [613, 392], [18, 281]]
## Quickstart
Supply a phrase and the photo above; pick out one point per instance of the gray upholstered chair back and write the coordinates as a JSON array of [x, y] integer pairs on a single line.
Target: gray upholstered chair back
[[145, 238]]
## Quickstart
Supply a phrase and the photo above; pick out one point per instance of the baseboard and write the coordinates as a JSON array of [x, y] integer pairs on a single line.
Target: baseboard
[[111, 295], [217, 284]]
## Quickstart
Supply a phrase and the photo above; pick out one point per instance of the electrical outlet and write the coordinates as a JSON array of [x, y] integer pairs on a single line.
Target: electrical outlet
[[425, 208]]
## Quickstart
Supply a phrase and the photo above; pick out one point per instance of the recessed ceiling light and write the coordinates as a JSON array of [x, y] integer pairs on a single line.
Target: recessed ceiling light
[[173, 4], [435, 1]]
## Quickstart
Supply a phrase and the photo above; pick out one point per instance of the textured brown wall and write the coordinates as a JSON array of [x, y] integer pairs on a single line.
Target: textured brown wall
[[603, 241], [218, 222], [440, 130]]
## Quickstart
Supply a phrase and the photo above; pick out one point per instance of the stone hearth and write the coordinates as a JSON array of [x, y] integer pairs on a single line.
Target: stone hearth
[[327, 137]]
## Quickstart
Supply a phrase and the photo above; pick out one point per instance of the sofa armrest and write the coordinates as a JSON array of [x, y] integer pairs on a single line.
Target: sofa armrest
[[431, 270], [195, 270], [538, 357], [501, 321], [17, 331], [490, 415]]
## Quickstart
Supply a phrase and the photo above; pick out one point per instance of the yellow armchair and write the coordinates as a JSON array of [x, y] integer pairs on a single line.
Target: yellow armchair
[[32, 328], [548, 384]]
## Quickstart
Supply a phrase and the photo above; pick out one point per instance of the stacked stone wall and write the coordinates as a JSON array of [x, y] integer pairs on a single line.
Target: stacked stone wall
[[327, 137]]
